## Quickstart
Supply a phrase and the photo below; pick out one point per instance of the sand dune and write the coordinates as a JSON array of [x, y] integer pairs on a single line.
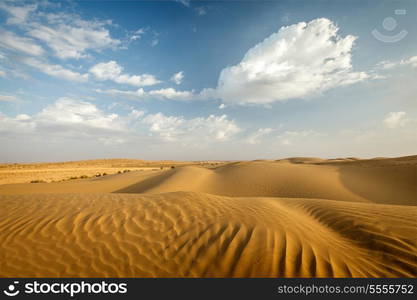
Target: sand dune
[[194, 234], [105, 184], [388, 185], [60, 171], [378, 181], [299, 217]]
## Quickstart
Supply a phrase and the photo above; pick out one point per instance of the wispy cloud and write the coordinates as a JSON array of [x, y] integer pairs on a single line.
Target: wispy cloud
[[137, 34], [387, 64], [201, 10], [255, 138], [55, 70], [9, 98], [18, 14], [72, 41], [11, 41], [162, 94], [67, 35], [177, 77], [396, 119], [113, 71], [184, 2]]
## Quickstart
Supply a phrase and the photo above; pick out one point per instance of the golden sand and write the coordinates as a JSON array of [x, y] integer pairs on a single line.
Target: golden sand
[[289, 218]]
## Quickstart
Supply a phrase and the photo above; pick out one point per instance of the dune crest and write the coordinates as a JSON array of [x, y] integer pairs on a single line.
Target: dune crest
[[384, 181], [367, 182]]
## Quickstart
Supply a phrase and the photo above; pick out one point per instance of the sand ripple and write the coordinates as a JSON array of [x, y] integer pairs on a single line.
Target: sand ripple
[[188, 234]]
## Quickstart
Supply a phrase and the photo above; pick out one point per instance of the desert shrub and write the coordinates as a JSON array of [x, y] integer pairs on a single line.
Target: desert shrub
[[37, 181], [172, 167], [83, 176], [119, 172], [98, 175], [125, 171], [104, 174], [74, 177]]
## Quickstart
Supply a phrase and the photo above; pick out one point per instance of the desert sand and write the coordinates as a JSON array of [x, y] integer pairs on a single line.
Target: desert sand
[[297, 217], [61, 171]]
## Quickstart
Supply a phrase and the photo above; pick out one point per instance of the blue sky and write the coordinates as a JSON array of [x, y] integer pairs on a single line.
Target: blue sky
[[196, 80]]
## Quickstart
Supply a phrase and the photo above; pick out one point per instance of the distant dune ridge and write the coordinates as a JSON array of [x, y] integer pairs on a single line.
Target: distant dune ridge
[[59, 171], [297, 217]]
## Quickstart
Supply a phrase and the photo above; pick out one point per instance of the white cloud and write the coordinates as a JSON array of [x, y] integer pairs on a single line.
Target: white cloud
[[167, 127], [11, 41], [107, 71], [67, 112], [9, 98], [71, 118], [18, 125], [69, 41], [2, 74], [113, 71], [298, 61], [138, 94], [412, 61], [14, 72], [68, 35], [256, 137], [178, 77], [222, 106], [22, 117], [387, 64], [65, 117], [395, 120], [170, 128], [55, 70], [137, 80], [161, 94], [170, 93], [136, 114], [19, 14], [137, 35]]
